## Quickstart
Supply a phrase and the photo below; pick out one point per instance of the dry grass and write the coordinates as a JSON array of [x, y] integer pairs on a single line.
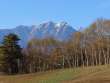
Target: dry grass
[[99, 74]]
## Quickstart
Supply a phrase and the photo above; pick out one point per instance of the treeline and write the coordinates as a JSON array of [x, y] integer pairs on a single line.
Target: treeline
[[82, 50]]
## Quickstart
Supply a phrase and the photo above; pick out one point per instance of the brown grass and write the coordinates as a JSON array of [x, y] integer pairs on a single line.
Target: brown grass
[[101, 75], [98, 74]]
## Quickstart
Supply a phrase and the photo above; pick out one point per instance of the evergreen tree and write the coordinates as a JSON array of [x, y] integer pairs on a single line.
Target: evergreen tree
[[11, 54]]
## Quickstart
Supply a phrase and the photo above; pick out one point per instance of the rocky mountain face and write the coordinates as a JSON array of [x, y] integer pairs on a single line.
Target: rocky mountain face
[[60, 31]]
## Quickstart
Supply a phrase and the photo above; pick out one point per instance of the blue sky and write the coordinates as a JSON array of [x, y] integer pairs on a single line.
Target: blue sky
[[32, 12]]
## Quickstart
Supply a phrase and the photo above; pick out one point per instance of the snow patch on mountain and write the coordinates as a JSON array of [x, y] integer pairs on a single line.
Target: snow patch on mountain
[[60, 31]]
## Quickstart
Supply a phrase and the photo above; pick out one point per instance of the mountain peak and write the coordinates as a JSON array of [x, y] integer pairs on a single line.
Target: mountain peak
[[47, 23], [60, 31], [63, 23]]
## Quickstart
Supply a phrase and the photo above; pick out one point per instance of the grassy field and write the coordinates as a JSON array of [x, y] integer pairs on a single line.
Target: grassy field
[[99, 74]]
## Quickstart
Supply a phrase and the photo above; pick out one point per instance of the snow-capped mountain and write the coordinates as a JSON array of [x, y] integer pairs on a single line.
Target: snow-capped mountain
[[60, 31]]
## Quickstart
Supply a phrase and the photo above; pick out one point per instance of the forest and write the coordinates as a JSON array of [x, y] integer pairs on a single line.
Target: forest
[[90, 47]]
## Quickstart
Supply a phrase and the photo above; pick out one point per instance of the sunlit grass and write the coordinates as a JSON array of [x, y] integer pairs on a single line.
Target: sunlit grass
[[56, 76]]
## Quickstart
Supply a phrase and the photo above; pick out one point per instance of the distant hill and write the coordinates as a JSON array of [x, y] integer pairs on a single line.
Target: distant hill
[[100, 26]]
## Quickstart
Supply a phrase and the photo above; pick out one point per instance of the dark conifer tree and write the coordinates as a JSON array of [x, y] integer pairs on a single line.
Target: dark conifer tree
[[11, 54]]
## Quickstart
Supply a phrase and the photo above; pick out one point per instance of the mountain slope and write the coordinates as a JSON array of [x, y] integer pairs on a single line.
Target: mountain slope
[[98, 29], [60, 31], [100, 26]]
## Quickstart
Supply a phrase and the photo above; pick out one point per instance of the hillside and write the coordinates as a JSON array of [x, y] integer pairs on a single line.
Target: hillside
[[92, 75], [99, 74], [100, 26]]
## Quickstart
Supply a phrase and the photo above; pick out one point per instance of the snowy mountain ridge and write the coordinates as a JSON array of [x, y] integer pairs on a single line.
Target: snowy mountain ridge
[[60, 31]]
